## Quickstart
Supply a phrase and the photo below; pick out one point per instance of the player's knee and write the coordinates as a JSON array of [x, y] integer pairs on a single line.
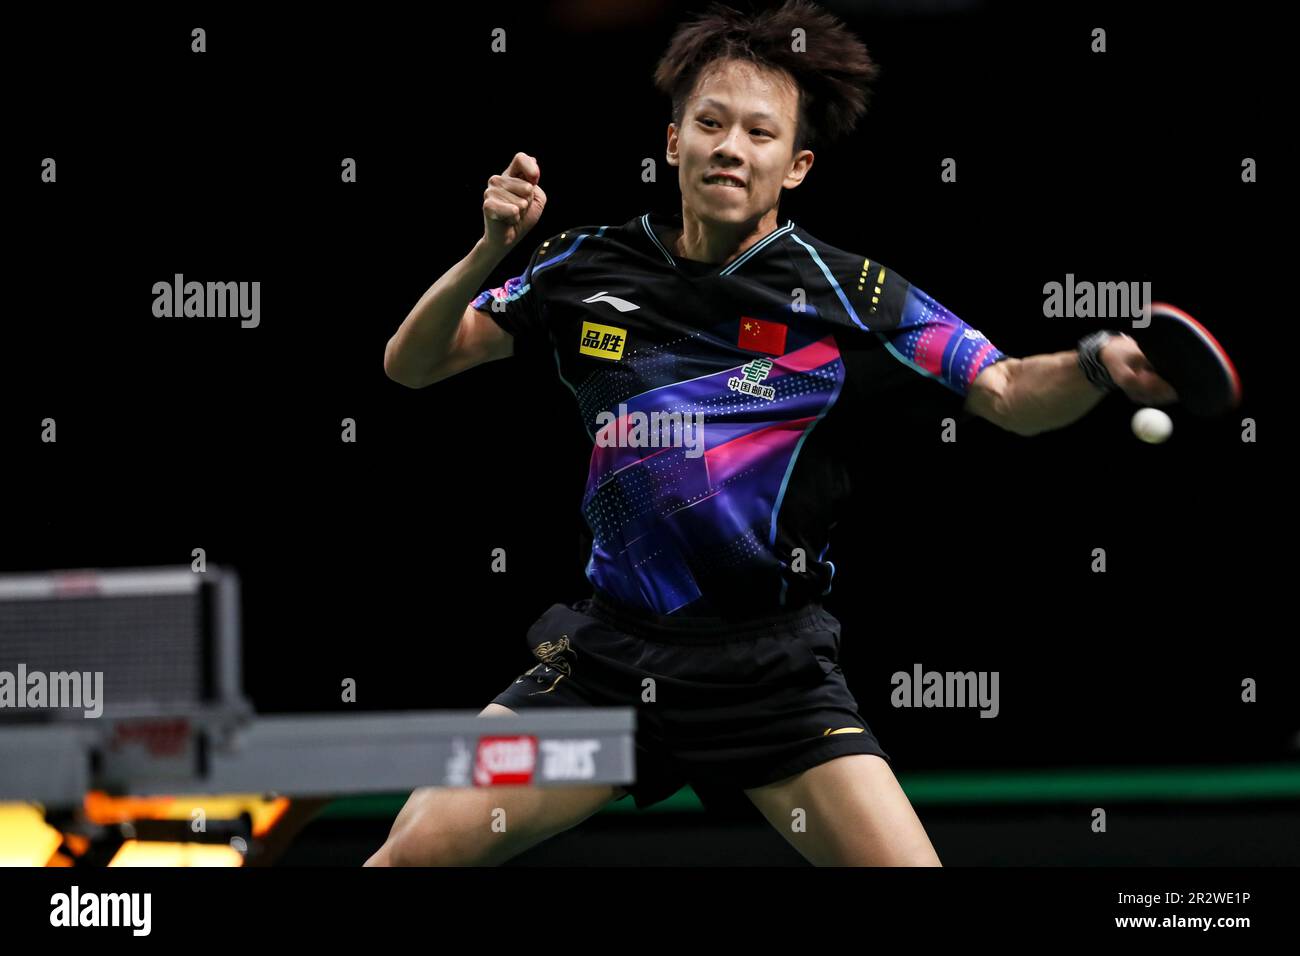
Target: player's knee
[[451, 829], [409, 850], [421, 847]]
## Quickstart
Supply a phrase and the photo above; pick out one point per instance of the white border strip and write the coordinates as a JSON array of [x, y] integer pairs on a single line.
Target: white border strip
[[98, 582]]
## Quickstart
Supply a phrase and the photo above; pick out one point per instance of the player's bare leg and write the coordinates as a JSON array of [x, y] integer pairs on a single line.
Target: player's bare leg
[[855, 814], [454, 827]]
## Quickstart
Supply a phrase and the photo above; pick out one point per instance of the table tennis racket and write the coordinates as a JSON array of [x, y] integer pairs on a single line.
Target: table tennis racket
[[1188, 357]]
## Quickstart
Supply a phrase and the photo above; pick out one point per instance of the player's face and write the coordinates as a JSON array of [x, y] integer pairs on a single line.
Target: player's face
[[739, 121]]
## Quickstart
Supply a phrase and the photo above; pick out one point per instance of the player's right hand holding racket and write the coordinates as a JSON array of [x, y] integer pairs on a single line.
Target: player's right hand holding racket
[[512, 204]]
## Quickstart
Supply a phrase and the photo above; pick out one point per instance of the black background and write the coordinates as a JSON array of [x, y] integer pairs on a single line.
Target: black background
[[372, 560]]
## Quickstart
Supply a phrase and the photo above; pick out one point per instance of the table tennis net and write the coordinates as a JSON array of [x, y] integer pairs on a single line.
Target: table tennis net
[[157, 636]]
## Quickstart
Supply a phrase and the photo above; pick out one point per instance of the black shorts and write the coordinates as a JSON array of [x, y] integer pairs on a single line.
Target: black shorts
[[727, 706]]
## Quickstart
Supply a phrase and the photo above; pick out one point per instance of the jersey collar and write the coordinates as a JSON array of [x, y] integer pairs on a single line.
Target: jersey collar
[[658, 228]]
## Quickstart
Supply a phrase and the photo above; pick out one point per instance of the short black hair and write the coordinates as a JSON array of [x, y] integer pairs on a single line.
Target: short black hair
[[832, 75]]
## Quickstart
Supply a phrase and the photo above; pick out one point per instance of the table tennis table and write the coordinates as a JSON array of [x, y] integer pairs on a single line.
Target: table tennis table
[[318, 755], [163, 645]]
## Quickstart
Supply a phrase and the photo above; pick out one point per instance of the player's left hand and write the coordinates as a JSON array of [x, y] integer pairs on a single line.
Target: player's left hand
[[1134, 374]]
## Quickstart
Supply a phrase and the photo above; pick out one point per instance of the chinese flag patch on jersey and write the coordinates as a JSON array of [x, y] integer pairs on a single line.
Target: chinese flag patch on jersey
[[761, 335]]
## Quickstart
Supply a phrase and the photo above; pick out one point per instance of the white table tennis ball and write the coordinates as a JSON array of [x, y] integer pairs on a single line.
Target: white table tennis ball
[[1152, 425]]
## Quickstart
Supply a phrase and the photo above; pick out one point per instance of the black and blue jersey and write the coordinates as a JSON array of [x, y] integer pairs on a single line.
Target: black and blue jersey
[[788, 357]]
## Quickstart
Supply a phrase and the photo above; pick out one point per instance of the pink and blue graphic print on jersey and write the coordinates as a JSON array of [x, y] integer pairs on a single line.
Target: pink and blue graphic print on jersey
[[661, 520], [938, 344]]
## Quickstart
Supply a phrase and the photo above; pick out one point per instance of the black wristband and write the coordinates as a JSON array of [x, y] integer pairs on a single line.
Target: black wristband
[[1094, 369]]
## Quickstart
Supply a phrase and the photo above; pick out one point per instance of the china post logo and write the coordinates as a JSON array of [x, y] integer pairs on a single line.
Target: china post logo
[[750, 379]]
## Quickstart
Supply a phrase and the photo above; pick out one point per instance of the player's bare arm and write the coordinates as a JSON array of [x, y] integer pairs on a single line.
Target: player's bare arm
[[442, 336], [1043, 392]]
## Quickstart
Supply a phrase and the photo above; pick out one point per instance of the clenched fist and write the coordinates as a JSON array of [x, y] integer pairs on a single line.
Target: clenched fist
[[512, 203]]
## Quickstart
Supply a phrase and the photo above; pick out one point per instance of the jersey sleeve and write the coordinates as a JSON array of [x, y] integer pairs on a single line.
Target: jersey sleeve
[[935, 356], [924, 335], [518, 305]]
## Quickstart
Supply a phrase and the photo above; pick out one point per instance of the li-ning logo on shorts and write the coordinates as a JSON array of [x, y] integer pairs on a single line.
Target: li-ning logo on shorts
[[602, 341], [753, 373]]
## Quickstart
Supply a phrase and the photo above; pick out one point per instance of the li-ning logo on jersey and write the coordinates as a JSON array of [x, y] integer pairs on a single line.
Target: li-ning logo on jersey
[[747, 383], [621, 304], [602, 341], [973, 334]]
